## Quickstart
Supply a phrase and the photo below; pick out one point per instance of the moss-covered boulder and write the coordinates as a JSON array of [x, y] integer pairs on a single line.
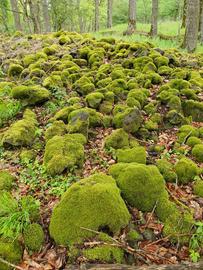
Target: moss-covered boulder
[[22, 132], [15, 70], [186, 170], [56, 128], [187, 131], [135, 154], [11, 252], [33, 237], [64, 152], [167, 170], [197, 152], [192, 141], [6, 180], [83, 86], [93, 203], [198, 188], [117, 139], [79, 122], [30, 95], [94, 99], [194, 109]]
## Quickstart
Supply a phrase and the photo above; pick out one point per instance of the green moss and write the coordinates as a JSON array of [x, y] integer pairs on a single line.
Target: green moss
[[33, 237], [11, 252], [94, 99], [106, 107], [22, 132], [53, 82], [132, 102], [167, 170], [37, 72], [6, 180], [197, 152], [83, 86], [135, 154], [117, 139], [187, 131], [198, 188], [179, 84], [192, 141], [30, 95], [165, 70], [15, 70], [149, 67], [194, 109], [130, 120], [141, 185], [56, 128], [189, 93], [186, 170], [99, 206], [174, 117], [104, 253], [174, 103], [64, 40], [139, 94], [161, 61], [150, 108], [79, 122], [201, 132], [63, 114], [27, 155], [150, 125], [64, 152], [50, 50]]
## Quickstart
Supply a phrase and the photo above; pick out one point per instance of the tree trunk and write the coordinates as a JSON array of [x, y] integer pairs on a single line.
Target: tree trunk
[[35, 15], [109, 13], [16, 15], [47, 24], [184, 14], [96, 22], [131, 17], [192, 25], [154, 19], [4, 14], [201, 24]]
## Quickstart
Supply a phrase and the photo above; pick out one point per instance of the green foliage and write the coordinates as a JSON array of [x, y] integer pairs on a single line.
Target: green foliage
[[196, 242], [8, 110]]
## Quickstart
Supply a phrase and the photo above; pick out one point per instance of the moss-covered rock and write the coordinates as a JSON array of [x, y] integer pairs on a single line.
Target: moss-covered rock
[[27, 155], [167, 170], [161, 61], [22, 132], [33, 237], [94, 99], [174, 117], [135, 154], [198, 188], [93, 203], [79, 122], [194, 109], [83, 86], [10, 251], [186, 170], [117, 139], [192, 141], [6, 180], [197, 152], [53, 82], [63, 114], [64, 152], [15, 70], [187, 131], [30, 95], [56, 128]]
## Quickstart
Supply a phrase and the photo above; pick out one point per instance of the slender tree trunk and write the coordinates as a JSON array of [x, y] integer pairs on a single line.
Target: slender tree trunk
[[154, 19], [47, 24], [96, 22], [192, 25], [35, 14], [16, 15], [131, 17], [184, 14], [201, 23], [4, 14], [109, 13]]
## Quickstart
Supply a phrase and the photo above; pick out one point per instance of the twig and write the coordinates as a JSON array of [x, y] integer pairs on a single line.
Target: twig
[[10, 264], [151, 214]]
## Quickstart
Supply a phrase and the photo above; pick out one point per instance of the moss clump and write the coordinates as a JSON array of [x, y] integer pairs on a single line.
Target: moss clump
[[56, 128], [135, 154], [11, 252], [187, 131], [141, 185], [167, 170], [192, 141], [198, 188], [186, 170], [64, 152], [117, 139], [139, 95], [197, 152], [27, 156], [161, 61], [33, 237], [83, 86], [53, 82], [174, 103], [94, 99], [6, 180], [93, 203], [15, 70], [30, 95], [194, 109], [79, 122], [22, 132], [64, 113], [130, 120], [105, 254], [174, 117], [179, 84]]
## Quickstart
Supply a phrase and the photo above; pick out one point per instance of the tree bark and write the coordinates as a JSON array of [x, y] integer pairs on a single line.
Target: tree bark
[[131, 17], [109, 13], [154, 19], [96, 20], [184, 14], [192, 25], [201, 21], [35, 15], [47, 24], [16, 15]]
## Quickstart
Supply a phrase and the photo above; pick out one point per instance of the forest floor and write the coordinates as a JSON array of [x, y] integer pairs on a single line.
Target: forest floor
[[55, 53]]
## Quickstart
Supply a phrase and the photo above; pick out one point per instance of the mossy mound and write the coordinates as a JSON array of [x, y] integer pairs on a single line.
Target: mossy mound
[[64, 152], [22, 132], [187, 131], [135, 154], [192, 141], [30, 95], [33, 237], [99, 207], [56, 128], [167, 170], [197, 152], [198, 188], [186, 170], [117, 139], [6, 180], [11, 252], [194, 109]]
